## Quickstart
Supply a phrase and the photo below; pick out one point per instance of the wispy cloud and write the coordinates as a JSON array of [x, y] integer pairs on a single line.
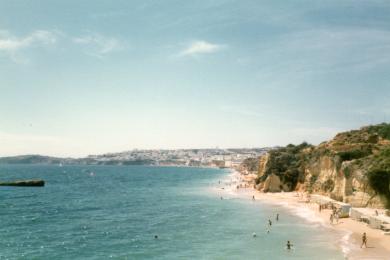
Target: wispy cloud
[[201, 47], [329, 49], [99, 45], [94, 44], [9, 42], [301, 56], [11, 46]]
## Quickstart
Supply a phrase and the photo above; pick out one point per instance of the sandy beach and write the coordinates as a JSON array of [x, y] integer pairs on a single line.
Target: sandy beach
[[378, 245]]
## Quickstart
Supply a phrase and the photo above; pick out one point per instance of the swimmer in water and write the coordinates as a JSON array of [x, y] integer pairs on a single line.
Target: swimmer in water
[[155, 237], [269, 222], [254, 234], [289, 245]]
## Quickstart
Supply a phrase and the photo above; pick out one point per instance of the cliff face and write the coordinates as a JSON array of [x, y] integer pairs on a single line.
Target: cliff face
[[354, 167]]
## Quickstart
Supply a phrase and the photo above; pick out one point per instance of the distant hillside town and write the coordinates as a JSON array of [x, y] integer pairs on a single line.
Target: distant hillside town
[[223, 158]]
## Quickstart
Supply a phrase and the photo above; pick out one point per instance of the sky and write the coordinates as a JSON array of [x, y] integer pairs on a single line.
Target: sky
[[90, 77]]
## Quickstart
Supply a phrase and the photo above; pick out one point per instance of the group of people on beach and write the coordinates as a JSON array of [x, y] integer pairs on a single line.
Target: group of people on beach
[[334, 216], [289, 245]]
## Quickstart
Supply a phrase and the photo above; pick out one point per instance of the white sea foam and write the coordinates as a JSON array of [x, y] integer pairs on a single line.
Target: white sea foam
[[308, 214], [345, 243]]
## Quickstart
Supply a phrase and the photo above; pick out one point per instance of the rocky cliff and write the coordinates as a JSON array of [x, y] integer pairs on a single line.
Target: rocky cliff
[[353, 167]]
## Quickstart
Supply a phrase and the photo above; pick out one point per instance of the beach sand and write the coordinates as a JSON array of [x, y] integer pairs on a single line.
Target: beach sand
[[378, 244]]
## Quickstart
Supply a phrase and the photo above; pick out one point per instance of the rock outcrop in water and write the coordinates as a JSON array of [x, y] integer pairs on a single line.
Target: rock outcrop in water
[[354, 167], [25, 183]]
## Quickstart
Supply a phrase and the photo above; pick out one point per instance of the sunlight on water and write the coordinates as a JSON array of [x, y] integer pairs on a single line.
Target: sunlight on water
[[105, 212]]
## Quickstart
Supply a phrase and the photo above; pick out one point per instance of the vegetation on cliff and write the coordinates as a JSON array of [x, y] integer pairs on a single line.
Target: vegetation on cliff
[[352, 162], [383, 130], [379, 175], [250, 164], [287, 163]]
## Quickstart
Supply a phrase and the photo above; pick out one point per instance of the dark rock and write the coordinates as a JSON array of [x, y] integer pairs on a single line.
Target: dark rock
[[26, 183]]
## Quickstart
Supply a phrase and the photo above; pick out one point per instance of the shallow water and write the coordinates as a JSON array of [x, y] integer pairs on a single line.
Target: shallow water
[[100, 212]]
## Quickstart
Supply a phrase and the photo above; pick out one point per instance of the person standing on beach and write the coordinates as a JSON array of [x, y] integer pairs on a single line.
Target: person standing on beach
[[277, 216], [253, 197], [364, 240]]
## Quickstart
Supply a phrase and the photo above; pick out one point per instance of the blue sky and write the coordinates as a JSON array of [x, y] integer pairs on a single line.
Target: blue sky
[[88, 77]]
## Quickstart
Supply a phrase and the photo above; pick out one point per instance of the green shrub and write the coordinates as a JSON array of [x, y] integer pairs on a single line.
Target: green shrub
[[347, 172], [379, 181], [252, 164], [287, 163], [313, 179], [382, 160], [353, 154], [328, 185], [383, 130]]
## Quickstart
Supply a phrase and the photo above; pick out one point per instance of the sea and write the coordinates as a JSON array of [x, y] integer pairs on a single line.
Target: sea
[[147, 212]]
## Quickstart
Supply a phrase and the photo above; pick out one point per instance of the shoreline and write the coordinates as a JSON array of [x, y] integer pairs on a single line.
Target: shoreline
[[378, 244]]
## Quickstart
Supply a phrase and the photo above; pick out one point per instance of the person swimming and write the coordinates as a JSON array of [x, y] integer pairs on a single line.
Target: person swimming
[[269, 222], [289, 245], [155, 237], [254, 234]]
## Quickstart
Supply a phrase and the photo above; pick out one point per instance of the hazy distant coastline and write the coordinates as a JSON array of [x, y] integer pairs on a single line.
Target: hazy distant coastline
[[181, 157]]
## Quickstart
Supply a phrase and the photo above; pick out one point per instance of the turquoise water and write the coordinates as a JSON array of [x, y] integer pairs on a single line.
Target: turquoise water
[[100, 212]]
